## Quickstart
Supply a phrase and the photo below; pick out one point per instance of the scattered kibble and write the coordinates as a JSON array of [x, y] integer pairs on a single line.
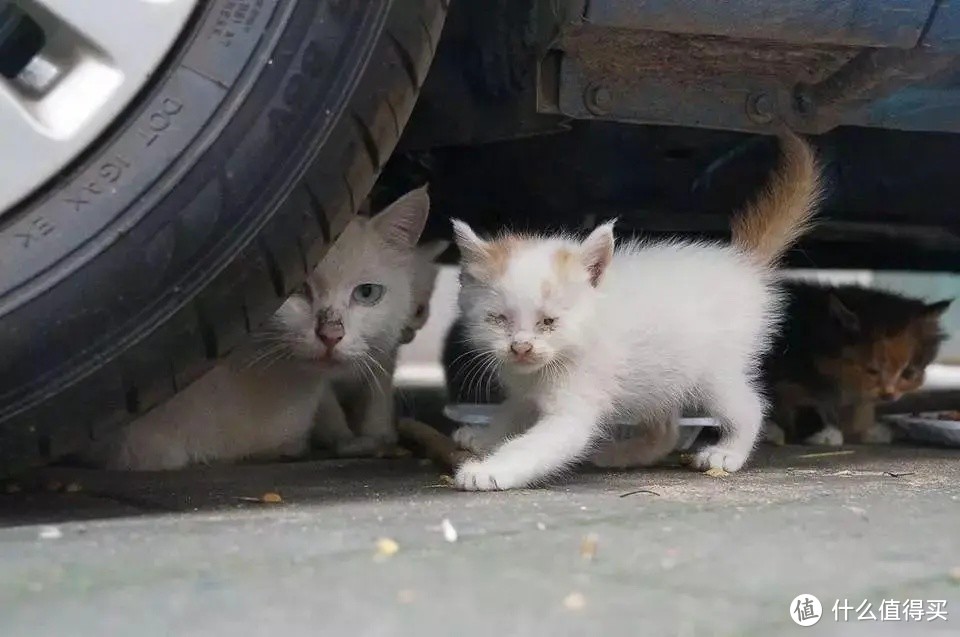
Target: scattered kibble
[[49, 533], [445, 479], [449, 532], [717, 472], [386, 547], [73, 487], [588, 546], [574, 601], [271, 498]]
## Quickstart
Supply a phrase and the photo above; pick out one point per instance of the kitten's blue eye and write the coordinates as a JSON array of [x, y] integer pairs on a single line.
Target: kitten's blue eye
[[368, 293]]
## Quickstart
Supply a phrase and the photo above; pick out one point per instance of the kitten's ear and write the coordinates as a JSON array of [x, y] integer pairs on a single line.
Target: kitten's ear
[[472, 248], [596, 251], [936, 310], [433, 249], [847, 319], [401, 222]]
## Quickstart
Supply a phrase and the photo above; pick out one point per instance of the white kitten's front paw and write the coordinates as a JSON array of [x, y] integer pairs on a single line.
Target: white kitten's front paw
[[718, 457], [879, 434], [473, 438], [479, 475], [826, 437]]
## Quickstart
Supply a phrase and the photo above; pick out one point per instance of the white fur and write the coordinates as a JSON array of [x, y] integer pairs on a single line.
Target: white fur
[[668, 324], [267, 397], [829, 436]]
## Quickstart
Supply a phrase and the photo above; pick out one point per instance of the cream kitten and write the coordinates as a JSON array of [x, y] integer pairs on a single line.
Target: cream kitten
[[424, 280], [338, 337], [589, 335]]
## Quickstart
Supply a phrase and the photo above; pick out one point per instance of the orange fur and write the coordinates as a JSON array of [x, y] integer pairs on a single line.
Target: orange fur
[[782, 212]]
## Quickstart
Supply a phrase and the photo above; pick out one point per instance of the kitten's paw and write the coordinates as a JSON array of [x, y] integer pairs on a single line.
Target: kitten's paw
[[718, 457], [826, 437], [477, 475], [774, 434], [473, 438], [879, 434]]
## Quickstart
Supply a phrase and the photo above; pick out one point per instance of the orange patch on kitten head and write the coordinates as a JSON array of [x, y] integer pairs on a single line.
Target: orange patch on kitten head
[[564, 263]]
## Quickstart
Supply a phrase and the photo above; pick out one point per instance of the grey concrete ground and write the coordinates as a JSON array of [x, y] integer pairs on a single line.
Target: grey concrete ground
[[179, 554]]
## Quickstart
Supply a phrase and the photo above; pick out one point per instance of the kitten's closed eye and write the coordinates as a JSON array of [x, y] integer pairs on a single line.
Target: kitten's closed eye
[[910, 373], [873, 371], [368, 293], [497, 319], [548, 322]]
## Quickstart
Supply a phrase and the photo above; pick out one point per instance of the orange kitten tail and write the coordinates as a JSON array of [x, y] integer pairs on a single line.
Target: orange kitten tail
[[783, 211]]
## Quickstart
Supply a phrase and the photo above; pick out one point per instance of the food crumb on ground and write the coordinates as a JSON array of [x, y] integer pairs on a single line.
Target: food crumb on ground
[[449, 532], [955, 574], [717, 472], [541, 526], [588, 546], [49, 533], [386, 547], [73, 487], [574, 601], [271, 498]]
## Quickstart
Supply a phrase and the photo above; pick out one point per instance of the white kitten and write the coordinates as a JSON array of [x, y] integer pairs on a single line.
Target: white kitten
[[588, 335], [425, 271], [338, 337]]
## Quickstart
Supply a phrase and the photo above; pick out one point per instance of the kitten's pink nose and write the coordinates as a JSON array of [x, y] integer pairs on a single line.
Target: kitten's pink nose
[[330, 334], [521, 349], [889, 394]]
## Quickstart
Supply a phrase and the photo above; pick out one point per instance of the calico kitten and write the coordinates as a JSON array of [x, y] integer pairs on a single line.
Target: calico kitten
[[842, 350], [327, 354], [425, 272], [587, 335]]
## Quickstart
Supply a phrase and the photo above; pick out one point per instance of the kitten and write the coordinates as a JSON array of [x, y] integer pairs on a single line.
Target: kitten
[[469, 379], [842, 350], [425, 272], [587, 334], [326, 354]]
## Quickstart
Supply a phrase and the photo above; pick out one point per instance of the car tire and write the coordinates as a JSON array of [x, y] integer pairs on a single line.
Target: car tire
[[205, 205]]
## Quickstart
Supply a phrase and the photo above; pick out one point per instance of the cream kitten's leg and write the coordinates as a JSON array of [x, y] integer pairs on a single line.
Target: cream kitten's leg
[[330, 423], [560, 437], [740, 410], [511, 418], [374, 426]]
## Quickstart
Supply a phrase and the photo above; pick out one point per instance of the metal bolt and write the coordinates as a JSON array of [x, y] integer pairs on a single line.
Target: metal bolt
[[760, 108], [598, 99]]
